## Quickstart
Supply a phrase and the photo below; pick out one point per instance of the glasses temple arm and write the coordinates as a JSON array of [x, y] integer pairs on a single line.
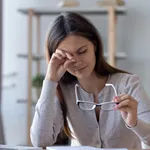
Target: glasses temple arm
[[113, 88]]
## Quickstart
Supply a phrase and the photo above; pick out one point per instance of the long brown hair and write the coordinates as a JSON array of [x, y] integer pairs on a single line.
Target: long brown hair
[[72, 23]]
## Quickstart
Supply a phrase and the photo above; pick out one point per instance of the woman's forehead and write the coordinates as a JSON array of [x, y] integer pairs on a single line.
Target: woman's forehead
[[73, 42]]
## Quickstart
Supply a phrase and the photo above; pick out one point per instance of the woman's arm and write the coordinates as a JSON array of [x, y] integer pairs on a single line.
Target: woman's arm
[[142, 129], [48, 119]]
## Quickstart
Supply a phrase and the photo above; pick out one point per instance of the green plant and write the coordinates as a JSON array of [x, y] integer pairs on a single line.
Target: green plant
[[37, 81]]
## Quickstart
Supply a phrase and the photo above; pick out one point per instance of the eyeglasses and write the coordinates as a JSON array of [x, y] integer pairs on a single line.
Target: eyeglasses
[[85, 105]]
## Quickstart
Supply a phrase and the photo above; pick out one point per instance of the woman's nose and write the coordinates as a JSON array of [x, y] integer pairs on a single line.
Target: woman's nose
[[77, 59]]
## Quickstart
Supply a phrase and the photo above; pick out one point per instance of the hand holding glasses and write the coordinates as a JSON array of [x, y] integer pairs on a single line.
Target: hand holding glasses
[[85, 105]]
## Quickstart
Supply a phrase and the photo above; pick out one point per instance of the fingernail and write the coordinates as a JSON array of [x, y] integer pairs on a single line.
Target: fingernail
[[115, 108], [69, 57], [116, 98]]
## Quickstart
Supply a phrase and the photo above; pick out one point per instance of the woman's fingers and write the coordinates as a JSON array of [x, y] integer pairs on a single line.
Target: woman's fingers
[[122, 97], [69, 60], [64, 54], [124, 109], [68, 63], [69, 56], [125, 96], [125, 103], [61, 53], [126, 100], [57, 55]]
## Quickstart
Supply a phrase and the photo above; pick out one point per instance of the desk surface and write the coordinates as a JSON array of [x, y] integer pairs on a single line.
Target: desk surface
[[7, 147]]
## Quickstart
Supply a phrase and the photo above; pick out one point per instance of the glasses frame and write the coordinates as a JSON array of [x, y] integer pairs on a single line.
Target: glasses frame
[[78, 101]]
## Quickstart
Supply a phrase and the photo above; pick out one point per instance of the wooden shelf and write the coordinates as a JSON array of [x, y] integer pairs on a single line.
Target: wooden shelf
[[9, 86], [119, 55], [8, 75], [34, 57], [25, 101], [56, 10]]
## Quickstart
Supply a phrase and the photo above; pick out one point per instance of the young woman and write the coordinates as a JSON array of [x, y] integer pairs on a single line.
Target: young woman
[[105, 106]]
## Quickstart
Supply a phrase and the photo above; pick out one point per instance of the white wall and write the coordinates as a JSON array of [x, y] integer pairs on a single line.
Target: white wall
[[133, 34], [1, 122]]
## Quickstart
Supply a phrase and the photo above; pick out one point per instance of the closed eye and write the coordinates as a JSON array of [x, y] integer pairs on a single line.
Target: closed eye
[[82, 52]]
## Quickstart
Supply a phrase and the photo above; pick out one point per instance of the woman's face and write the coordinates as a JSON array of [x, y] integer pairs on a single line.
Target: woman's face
[[83, 51]]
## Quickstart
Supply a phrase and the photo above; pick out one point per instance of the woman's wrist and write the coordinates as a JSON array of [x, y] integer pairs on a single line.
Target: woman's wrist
[[132, 125], [49, 78]]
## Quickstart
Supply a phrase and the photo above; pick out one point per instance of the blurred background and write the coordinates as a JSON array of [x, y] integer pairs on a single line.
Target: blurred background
[[132, 39]]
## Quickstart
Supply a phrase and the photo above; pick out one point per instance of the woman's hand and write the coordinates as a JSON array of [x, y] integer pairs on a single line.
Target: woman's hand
[[58, 64], [128, 108]]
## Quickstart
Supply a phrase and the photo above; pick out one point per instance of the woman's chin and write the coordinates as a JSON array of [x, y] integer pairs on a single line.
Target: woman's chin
[[81, 75]]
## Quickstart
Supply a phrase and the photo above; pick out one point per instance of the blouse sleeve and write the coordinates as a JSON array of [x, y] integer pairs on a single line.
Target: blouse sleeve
[[48, 118]]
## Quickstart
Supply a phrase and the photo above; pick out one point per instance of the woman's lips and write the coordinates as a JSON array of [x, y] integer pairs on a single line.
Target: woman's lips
[[81, 69]]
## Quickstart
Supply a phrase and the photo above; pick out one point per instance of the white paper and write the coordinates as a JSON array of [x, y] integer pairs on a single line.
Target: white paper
[[79, 148], [71, 148]]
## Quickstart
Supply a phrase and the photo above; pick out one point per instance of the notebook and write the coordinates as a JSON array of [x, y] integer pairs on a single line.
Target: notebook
[[8, 147]]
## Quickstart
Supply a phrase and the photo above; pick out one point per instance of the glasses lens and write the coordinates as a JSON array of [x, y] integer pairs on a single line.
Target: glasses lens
[[86, 106], [108, 106]]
